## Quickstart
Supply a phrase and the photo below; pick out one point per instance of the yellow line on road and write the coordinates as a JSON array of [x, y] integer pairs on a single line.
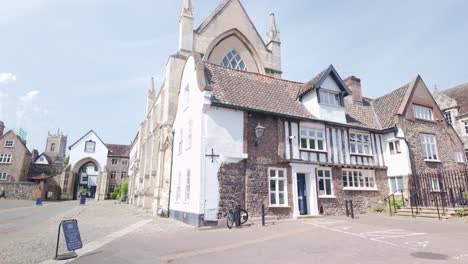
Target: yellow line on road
[[172, 257]]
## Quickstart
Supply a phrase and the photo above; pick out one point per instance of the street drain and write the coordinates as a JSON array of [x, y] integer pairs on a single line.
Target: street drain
[[429, 255]]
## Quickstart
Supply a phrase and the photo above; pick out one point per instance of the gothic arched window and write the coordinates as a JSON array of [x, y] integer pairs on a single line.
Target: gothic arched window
[[234, 60], [52, 147]]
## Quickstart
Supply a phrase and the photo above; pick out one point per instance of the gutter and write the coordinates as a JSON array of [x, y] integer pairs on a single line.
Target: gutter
[[301, 118]]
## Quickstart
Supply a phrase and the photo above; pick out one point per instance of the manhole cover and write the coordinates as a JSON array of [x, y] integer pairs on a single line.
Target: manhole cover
[[429, 255]]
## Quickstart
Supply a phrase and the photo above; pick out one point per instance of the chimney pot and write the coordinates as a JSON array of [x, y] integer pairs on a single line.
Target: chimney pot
[[2, 128]]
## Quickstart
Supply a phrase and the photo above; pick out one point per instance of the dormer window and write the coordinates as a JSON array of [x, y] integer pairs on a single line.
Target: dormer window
[[330, 98], [422, 112]]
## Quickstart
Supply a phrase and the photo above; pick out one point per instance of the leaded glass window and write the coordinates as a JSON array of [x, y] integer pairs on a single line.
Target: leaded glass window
[[234, 60]]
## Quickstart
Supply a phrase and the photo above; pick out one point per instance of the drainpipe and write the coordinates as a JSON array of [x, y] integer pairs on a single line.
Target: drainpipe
[[170, 175]]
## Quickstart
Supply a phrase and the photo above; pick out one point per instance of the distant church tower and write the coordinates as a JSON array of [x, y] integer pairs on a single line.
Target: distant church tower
[[56, 146]]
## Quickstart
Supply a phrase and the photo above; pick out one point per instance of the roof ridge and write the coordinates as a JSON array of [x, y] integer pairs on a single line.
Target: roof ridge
[[253, 73]]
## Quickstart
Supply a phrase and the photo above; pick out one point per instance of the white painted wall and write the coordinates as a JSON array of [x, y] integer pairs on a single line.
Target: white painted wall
[[41, 160], [398, 164], [77, 152], [212, 128], [322, 111]]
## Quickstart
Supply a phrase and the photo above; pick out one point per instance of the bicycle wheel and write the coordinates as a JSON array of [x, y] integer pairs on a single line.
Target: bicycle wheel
[[243, 216], [229, 220]]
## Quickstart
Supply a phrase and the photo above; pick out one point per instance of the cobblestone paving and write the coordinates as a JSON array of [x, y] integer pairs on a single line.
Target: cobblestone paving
[[34, 242]]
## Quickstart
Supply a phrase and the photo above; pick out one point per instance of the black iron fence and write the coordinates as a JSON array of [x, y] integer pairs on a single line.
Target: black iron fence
[[439, 189]]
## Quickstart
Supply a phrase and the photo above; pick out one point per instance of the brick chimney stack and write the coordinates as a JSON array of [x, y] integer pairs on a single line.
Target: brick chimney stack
[[2, 128], [354, 84]]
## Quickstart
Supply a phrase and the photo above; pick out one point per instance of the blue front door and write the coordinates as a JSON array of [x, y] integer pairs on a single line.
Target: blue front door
[[301, 193]]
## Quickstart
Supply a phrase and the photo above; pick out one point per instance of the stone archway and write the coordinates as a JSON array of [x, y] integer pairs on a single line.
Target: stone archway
[[86, 174]]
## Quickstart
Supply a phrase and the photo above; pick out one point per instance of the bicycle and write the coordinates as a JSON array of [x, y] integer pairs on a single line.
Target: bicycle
[[236, 216]]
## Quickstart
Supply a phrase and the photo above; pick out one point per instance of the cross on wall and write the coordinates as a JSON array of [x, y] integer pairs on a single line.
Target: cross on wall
[[212, 155]]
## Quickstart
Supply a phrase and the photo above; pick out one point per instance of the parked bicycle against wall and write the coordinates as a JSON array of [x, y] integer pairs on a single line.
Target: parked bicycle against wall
[[236, 216]]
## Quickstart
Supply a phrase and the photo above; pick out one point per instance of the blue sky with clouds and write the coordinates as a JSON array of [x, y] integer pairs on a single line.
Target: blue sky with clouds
[[86, 64]]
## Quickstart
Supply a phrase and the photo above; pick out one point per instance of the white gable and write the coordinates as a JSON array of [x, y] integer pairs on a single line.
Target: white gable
[[78, 153], [330, 84], [42, 160]]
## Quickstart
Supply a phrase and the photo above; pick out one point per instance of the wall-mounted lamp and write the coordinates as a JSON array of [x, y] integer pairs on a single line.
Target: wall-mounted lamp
[[259, 131]]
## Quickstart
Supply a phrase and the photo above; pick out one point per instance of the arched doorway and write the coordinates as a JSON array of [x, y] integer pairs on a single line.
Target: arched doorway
[[86, 178]]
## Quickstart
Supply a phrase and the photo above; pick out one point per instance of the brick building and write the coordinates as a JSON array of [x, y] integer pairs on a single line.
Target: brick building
[[15, 158], [117, 165]]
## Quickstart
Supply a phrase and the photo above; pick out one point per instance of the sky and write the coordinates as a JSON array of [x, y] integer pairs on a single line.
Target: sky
[[78, 65]]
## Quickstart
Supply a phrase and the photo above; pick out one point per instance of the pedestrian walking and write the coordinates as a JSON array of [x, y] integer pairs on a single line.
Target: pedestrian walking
[[2, 193]]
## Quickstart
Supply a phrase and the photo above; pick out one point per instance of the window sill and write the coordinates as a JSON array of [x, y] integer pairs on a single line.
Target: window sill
[[327, 196], [364, 155], [435, 161], [360, 189], [279, 206], [312, 150]]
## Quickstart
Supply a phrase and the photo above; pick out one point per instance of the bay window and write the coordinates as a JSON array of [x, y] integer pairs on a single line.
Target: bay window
[[278, 187], [429, 147], [360, 143], [358, 179], [312, 139]]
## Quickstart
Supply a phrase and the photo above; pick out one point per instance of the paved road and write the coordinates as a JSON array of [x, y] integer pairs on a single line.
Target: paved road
[[370, 239], [28, 233]]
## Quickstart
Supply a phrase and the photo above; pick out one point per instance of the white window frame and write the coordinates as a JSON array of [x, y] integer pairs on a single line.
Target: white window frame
[[7, 145], [354, 178], [356, 139], [277, 192], [465, 122], [394, 147], [113, 174], [429, 147], [423, 112], [448, 116], [311, 133], [459, 157], [178, 186], [234, 60], [187, 186], [114, 161], [399, 188], [435, 184], [124, 162], [90, 143], [186, 97], [328, 97], [123, 174], [466, 156], [3, 176], [181, 141], [5, 158], [189, 134], [324, 178]]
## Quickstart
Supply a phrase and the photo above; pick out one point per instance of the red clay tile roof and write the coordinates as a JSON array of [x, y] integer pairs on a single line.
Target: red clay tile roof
[[118, 150], [460, 94], [254, 91], [387, 106], [361, 115], [309, 85]]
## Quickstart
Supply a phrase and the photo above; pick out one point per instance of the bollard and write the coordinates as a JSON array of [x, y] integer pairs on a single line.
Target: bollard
[[263, 215]]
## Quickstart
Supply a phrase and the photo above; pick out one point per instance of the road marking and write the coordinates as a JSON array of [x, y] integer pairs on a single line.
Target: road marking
[[193, 253], [422, 244], [92, 246], [362, 235]]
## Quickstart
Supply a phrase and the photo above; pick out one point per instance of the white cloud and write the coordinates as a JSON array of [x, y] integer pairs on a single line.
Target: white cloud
[[29, 97], [7, 77]]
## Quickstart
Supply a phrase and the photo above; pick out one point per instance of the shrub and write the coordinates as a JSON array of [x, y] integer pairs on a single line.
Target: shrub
[[123, 191], [461, 213], [115, 193], [397, 202], [378, 209]]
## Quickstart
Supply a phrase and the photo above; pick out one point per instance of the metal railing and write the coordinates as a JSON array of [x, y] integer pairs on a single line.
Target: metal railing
[[391, 200]]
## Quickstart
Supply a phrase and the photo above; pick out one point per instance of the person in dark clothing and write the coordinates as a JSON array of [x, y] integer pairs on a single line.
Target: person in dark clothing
[[2, 193]]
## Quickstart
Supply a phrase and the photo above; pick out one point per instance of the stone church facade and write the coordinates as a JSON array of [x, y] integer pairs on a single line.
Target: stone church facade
[[227, 30]]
